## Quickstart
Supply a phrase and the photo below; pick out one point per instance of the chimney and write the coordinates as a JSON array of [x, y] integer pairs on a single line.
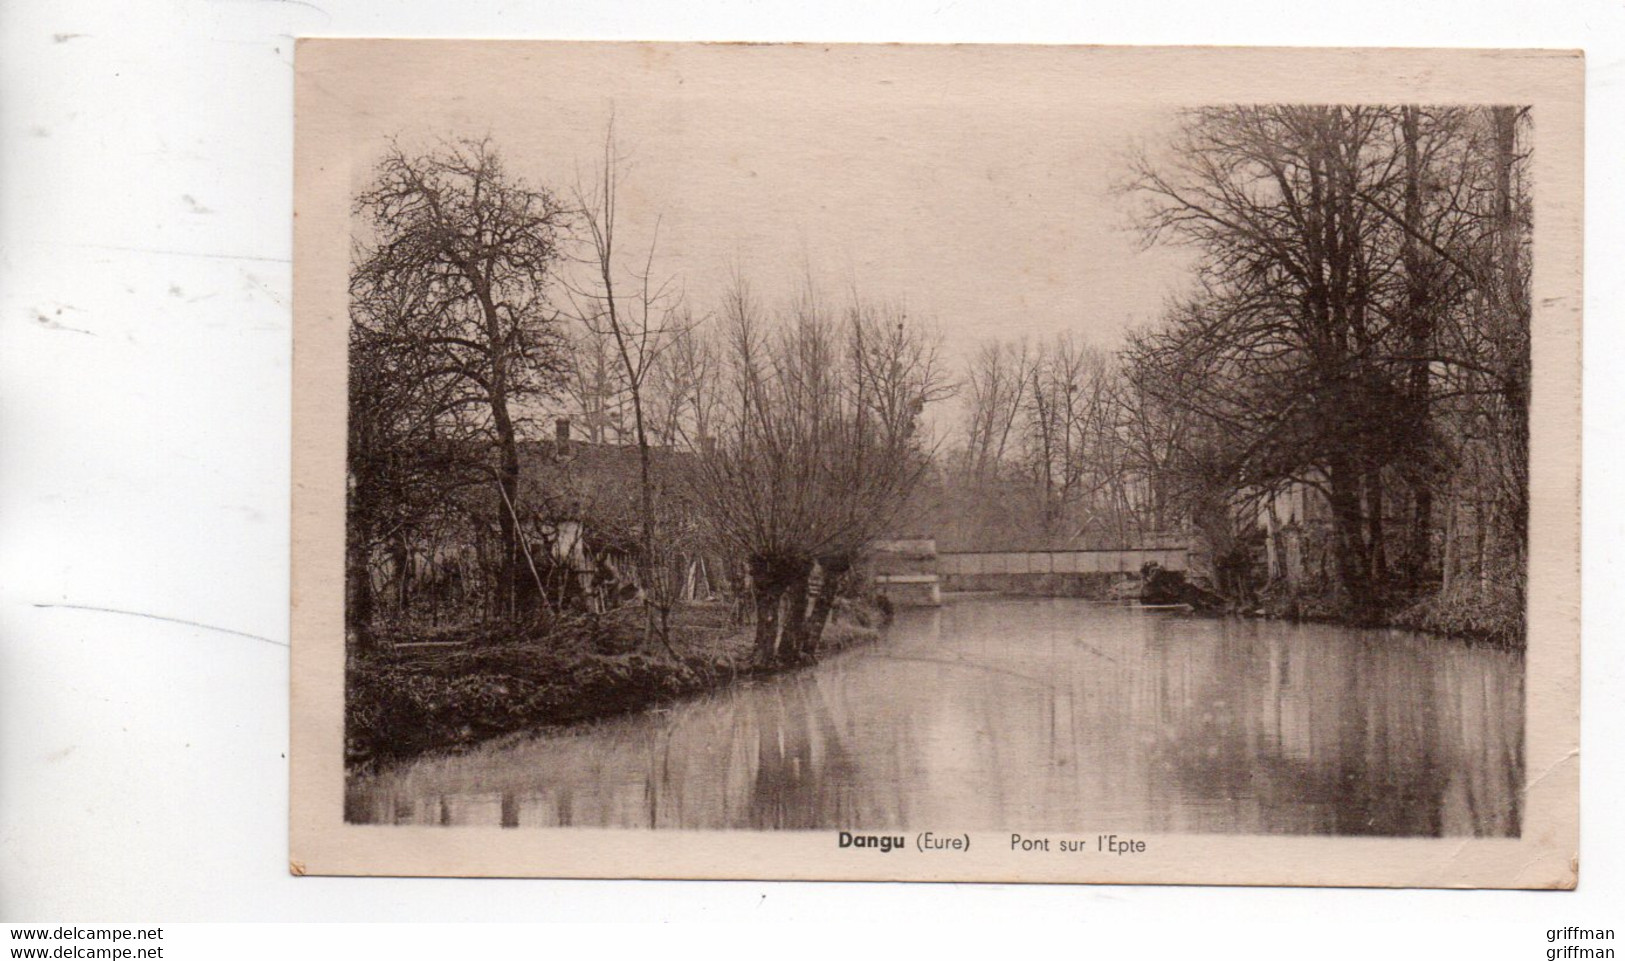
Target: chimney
[[561, 436]]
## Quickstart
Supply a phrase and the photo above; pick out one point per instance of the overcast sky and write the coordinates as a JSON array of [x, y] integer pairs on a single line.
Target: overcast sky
[[977, 190]]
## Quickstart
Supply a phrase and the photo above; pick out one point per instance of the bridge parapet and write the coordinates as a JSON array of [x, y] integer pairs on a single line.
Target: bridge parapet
[[910, 571], [1122, 561]]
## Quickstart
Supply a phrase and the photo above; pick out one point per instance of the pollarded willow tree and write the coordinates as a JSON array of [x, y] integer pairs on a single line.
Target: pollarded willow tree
[[459, 257], [818, 444], [892, 374]]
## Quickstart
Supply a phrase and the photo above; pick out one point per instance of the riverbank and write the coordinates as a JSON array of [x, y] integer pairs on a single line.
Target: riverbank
[[453, 689], [1491, 615]]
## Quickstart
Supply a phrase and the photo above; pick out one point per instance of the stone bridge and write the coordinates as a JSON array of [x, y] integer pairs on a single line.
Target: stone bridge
[[911, 571]]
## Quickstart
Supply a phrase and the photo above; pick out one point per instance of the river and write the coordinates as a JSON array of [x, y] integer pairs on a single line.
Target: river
[[1033, 714]]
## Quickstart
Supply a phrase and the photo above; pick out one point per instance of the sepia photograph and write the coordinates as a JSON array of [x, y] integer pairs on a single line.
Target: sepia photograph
[[977, 463]]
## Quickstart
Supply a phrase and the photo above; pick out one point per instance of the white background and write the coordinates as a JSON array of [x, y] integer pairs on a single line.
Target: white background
[[145, 190]]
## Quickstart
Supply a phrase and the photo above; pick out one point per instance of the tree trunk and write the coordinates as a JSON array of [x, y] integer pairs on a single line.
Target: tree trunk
[[769, 581], [657, 577], [1447, 566], [793, 648], [1275, 547], [1420, 322], [403, 574], [767, 624], [1514, 334], [834, 573], [1419, 559], [510, 582], [1376, 540], [510, 585], [1349, 538], [358, 612]]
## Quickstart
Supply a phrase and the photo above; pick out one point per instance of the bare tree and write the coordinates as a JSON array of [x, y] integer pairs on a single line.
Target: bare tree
[[467, 254], [1360, 319], [640, 316], [596, 386], [1068, 433], [1295, 269], [684, 393], [996, 385]]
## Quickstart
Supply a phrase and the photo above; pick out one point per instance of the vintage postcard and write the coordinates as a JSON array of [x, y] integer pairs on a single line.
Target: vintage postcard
[[937, 463]]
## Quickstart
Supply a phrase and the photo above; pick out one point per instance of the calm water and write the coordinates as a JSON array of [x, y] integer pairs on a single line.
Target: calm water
[[994, 713]]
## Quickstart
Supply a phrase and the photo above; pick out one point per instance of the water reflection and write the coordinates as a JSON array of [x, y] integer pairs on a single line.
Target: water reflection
[[1036, 714]]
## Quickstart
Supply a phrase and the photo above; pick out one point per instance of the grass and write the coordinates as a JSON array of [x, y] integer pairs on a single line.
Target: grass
[[1493, 615]]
